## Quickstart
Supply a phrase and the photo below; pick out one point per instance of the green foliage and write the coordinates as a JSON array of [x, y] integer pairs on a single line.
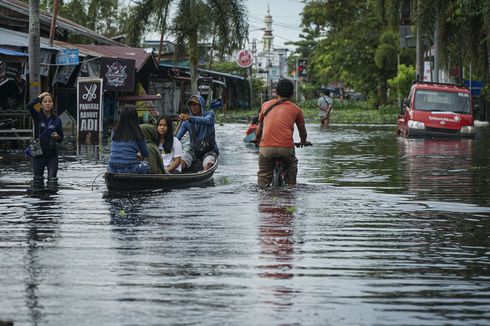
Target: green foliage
[[345, 112], [230, 67], [102, 16], [350, 35], [485, 92], [385, 56], [402, 82]]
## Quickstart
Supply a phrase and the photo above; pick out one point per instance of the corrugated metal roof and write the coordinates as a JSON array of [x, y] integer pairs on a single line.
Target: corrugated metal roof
[[211, 72], [139, 55], [21, 40], [61, 23]]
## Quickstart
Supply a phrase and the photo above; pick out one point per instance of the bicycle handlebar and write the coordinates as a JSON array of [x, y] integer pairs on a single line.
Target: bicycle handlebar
[[300, 145]]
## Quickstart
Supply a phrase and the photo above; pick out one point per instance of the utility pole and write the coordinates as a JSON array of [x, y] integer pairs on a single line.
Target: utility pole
[[52, 31], [436, 50], [34, 45], [419, 65]]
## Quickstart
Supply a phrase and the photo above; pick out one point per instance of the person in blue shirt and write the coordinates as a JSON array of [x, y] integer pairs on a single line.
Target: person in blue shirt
[[200, 126], [129, 153], [49, 130]]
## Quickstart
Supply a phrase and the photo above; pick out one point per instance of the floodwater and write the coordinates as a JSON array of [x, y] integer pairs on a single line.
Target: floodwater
[[380, 231]]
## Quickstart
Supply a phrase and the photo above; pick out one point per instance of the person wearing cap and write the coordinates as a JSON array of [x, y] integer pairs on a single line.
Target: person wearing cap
[[277, 118], [200, 126]]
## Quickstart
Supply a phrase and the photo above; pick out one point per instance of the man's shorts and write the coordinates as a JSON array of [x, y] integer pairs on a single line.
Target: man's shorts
[[188, 158]]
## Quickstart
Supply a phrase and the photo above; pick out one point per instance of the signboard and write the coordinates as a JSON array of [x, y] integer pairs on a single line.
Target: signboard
[[118, 74], [427, 71], [475, 86], [89, 110], [244, 58], [67, 57]]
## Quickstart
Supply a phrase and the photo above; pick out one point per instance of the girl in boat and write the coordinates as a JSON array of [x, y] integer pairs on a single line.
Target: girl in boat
[[129, 153], [170, 147], [155, 158]]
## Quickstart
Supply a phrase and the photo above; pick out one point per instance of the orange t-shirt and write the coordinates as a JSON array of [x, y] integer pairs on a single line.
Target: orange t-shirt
[[278, 127]]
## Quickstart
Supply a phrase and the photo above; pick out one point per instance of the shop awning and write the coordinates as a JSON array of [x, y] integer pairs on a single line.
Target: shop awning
[[139, 55], [12, 53]]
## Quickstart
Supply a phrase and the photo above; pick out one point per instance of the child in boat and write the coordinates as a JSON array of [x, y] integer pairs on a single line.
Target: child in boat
[[129, 153], [169, 146], [252, 127], [155, 160]]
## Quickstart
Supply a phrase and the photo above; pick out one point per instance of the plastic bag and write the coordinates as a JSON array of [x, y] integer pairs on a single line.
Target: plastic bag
[[34, 149]]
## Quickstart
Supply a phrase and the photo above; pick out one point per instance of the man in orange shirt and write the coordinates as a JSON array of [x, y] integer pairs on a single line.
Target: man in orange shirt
[[277, 118]]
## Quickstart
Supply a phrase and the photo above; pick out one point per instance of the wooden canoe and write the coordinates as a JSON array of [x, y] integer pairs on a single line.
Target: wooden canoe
[[133, 182]]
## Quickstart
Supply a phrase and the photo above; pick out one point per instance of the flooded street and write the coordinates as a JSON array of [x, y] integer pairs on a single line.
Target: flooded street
[[381, 230]]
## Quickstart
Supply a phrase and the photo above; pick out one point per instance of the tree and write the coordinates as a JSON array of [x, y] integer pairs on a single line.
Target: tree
[[195, 20], [348, 34], [102, 16], [402, 82]]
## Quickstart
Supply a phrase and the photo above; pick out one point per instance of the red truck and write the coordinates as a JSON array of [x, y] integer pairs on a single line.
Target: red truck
[[437, 110]]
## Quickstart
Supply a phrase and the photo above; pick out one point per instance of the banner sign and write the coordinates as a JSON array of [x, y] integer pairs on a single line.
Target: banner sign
[[67, 57], [89, 110], [118, 74], [475, 86]]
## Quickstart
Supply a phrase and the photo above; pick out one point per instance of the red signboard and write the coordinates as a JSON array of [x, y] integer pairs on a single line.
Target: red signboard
[[244, 58]]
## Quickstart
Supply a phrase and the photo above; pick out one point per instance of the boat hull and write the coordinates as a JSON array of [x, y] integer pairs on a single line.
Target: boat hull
[[137, 182]]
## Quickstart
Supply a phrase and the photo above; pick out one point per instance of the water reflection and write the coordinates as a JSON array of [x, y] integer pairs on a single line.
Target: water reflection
[[125, 209], [43, 220], [277, 235], [91, 152], [438, 168], [277, 244], [349, 238]]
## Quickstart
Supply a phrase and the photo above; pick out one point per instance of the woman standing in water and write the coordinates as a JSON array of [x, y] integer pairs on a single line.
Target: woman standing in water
[[49, 130]]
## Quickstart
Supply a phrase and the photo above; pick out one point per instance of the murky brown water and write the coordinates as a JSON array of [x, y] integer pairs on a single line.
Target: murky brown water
[[382, 230]]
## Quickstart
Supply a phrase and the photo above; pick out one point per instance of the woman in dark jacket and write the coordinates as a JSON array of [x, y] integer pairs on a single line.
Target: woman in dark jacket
[[49, 130]]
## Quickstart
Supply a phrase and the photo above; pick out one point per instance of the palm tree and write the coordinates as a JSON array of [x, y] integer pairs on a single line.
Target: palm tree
[[195, 20]]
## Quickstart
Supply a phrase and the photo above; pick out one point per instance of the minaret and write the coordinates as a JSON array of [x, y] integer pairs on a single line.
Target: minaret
[[267, 38]]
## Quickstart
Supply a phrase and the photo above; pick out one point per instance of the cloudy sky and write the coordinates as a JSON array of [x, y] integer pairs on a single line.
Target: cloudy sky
[[285, 15]]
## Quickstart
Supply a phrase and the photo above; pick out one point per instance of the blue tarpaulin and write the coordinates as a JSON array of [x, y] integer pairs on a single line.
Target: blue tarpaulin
[[12, 53]]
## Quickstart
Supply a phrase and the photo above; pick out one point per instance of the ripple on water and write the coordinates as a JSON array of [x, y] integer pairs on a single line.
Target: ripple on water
[[379, 231]]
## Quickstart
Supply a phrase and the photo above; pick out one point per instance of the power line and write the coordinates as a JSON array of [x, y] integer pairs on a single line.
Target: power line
[[285, 25]]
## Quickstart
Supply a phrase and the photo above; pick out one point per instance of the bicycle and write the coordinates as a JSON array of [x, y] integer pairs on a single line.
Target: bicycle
[[278, 173]]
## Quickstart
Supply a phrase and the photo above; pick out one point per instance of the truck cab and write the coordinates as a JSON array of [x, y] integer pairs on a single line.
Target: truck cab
[[437, 110]]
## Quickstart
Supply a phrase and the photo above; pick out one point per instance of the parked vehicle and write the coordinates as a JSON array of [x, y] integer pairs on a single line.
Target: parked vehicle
[[437, 110]]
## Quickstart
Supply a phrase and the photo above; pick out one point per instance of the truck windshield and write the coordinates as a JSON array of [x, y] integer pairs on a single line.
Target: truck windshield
[[430, 100]]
